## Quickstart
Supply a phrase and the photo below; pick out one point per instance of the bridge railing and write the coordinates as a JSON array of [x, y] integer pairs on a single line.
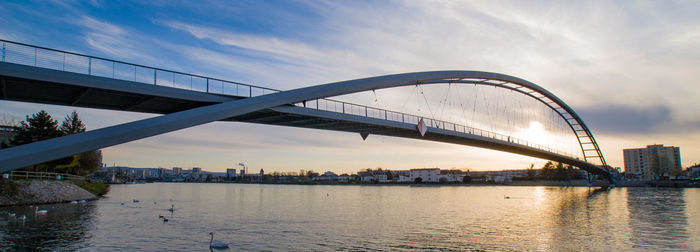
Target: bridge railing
[[37, 56], [40, 175], [366, 111]]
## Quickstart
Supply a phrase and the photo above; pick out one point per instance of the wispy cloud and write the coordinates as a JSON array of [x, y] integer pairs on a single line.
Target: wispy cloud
[[115, 41], [268, 54]]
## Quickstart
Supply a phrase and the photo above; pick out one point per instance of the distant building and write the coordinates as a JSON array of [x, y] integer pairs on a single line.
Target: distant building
[[366, 176], [328, 176], [652, 162], [693, 172], [231, 173], [504, 176], [426, 174], [401, 176], [344, 178], [177, 171], [196, 174], [451, 176]]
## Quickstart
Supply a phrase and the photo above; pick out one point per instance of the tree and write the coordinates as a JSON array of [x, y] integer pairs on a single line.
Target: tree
[[89, 162], [311, 174], [560, 172], [531, 171], [11, 122], [72, 124], [418, 180], [39, 126], [548, 170], [467, 179]]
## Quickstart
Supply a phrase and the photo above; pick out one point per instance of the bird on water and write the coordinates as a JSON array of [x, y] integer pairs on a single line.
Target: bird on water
[[216, 244], [40, 212]]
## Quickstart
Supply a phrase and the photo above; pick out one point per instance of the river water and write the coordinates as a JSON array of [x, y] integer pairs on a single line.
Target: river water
[[254, 217]]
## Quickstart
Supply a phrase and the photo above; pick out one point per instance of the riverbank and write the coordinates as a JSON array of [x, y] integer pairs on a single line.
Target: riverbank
[[34, 192], [560, 183], [552, 183]]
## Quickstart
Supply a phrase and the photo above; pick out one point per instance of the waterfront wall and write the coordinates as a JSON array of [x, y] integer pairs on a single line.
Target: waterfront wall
[[32, 192], [576, 182]]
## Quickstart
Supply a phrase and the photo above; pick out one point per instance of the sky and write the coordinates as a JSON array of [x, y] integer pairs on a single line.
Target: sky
[[628, 68]]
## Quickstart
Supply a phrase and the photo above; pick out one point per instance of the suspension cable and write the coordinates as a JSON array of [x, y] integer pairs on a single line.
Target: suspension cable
[[426, 101]]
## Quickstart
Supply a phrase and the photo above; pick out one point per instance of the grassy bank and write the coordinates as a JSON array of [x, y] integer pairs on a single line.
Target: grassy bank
[[96, 188]]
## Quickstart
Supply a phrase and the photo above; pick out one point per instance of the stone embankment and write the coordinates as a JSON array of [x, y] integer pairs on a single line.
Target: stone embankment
[[44, 192]]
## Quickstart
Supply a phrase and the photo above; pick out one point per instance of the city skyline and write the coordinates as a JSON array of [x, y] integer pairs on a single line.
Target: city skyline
[[633, 90]]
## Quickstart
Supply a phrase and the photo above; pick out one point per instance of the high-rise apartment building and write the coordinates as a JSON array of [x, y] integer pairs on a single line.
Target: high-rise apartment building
[[652, 162]]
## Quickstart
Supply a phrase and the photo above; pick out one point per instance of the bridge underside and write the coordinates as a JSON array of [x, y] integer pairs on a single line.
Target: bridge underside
[[48, 86]]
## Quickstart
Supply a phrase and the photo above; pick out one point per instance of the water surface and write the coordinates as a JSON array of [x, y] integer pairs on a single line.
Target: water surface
[[295, 217]]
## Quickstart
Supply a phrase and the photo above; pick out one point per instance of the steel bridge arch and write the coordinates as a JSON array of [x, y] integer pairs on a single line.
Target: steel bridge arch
[[20, 156], [584, 136]]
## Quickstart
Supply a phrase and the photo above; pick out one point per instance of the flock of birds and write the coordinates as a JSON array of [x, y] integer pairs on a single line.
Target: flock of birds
[[37, 211], [212, 243], [23, 218]]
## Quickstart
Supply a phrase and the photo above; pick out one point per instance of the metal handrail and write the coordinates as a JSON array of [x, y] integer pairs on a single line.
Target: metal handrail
[[40, 175], [404, 116]]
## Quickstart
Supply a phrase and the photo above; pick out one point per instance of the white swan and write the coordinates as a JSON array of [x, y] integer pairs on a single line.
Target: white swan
[[216, 244], [40, 212]]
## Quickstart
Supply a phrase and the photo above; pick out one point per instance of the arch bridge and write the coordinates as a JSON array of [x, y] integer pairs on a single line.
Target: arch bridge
[[37, 74]]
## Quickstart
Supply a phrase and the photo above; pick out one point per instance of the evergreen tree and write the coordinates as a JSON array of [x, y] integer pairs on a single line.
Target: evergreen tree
[[72, 124], [39, 126]]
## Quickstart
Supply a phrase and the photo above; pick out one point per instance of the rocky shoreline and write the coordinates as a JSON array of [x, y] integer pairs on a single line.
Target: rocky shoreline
[[34, 192]]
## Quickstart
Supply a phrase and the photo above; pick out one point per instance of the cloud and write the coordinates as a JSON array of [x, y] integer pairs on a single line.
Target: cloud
[[628, 120], [114, 40], [287, 57], [627, 68]]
